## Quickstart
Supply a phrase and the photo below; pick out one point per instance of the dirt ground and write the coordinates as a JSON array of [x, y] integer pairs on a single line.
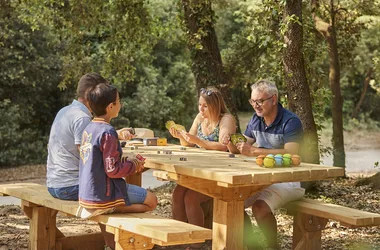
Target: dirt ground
[[14, 224]]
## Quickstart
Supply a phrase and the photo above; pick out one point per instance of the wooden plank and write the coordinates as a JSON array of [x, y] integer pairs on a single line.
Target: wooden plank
[[155, 227], [301, 175], [39, 195], [228, 223], [240, 170], [91, 241], [212, 188], [345, 215]]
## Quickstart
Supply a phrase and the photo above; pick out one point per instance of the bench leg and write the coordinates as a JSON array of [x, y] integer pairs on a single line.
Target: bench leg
[[42, 226], [125, 240], [307, 232]]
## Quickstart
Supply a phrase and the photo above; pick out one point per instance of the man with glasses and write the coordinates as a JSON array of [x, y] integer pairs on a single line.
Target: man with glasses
[[275, 130]]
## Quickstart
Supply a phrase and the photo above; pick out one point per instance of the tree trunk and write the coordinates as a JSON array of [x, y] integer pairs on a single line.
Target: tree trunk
[[367, 79], [295, 77], [328, 31], [207, 64], [374, 181]]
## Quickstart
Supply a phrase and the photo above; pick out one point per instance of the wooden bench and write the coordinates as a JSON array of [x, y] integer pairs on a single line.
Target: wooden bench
[[131, 231], [311, 217]]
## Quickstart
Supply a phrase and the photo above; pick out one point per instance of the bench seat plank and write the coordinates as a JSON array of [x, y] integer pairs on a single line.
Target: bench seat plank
[[348, 216], [159, 229]]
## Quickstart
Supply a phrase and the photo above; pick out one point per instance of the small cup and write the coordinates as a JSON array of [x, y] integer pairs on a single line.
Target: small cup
[[287, 160], [296, 160], [260, 160], [278, 160]]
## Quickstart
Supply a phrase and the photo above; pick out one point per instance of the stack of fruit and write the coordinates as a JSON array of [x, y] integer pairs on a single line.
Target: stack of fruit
[[278, 160]]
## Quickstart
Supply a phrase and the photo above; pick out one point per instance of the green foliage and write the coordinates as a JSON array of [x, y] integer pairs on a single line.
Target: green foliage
[[161, 98], [254, 51], [102, 36], [28, 93], [140, 47]]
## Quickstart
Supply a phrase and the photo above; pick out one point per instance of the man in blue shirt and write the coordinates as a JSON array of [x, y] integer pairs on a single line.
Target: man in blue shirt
[[275, 130]]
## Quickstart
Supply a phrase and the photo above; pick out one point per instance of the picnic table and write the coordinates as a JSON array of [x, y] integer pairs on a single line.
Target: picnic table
[[229, 180]]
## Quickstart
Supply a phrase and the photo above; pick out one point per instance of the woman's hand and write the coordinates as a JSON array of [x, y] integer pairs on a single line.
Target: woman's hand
[[125, 134], [175, 133], [226, 139], [193, 139]]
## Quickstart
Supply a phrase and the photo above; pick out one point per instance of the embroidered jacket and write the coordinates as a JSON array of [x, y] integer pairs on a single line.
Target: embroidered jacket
[[101, 168]]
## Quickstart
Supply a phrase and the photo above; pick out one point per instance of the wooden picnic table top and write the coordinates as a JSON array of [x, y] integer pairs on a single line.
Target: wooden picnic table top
[[220, 167]]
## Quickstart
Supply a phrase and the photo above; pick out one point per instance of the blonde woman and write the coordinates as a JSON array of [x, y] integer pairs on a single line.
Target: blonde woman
[[212, 123]]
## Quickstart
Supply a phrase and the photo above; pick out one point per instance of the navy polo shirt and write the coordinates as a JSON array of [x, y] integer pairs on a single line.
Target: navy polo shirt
[[287, 127]]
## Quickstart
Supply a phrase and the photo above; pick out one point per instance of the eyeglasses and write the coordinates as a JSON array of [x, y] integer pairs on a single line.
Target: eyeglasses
[[207, 92], [258, 102]]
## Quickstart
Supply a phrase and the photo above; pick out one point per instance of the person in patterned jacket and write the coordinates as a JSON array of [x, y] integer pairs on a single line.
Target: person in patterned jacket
[[102, 188]]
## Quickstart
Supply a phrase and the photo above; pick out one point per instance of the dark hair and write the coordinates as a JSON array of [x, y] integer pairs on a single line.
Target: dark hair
[[88, 81], [100, 96]]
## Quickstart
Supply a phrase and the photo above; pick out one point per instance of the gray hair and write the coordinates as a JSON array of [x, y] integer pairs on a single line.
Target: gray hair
[[266, 86]]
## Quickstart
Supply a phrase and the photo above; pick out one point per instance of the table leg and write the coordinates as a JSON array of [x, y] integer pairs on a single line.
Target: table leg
[[134, 179], [228, 225]]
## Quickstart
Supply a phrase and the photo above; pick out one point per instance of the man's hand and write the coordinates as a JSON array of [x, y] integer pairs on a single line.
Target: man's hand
[[246, 148], [125, 134]]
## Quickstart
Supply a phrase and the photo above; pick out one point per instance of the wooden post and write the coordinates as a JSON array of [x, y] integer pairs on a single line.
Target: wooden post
[[42, 228], [227, 233], [125, 240], [307, 232], [207, 208], [134, 179]]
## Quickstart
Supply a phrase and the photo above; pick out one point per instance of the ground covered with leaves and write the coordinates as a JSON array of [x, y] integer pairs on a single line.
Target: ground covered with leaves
[[14, 224]]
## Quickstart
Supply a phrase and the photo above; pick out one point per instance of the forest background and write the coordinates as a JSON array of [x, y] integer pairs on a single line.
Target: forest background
[[323, 55]]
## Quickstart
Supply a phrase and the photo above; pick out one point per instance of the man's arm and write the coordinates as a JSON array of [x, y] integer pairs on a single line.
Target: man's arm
[[289, 148]]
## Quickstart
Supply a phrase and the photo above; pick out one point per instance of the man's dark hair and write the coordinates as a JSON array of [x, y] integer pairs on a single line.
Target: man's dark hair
[[100, 96], [88, 81]]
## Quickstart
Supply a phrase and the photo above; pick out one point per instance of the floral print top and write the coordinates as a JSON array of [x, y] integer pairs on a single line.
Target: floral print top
[[213, 136]]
